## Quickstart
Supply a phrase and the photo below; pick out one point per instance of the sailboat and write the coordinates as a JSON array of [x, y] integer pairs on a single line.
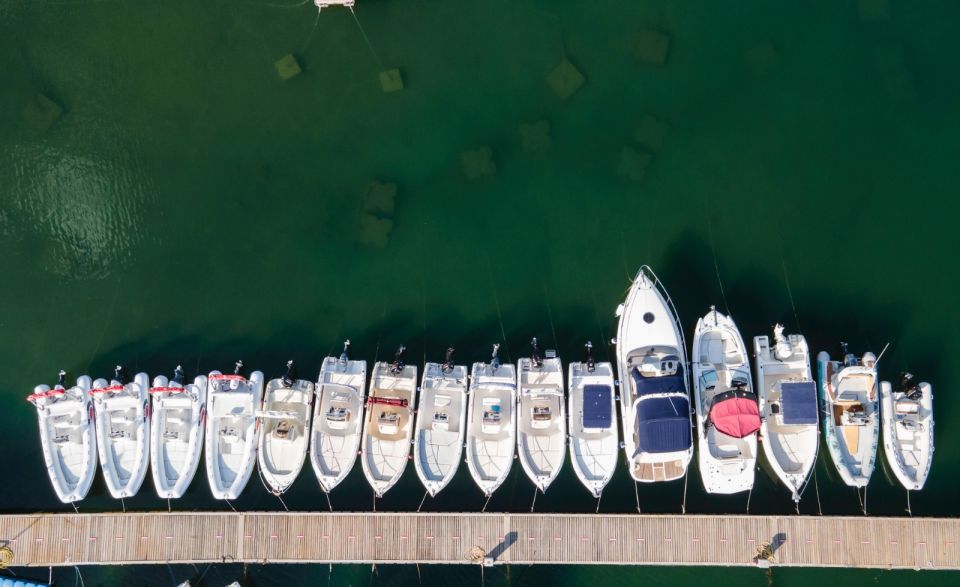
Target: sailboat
[[284, 429], [122, 411], [907, 411], [176, 431], [728, 415], [541, 421], [337, 418], [233, 430], [441, 423], [592, 422], [654, 391], [491, 422], [67, 436], [851, 419], [388, 427], [788, 408]]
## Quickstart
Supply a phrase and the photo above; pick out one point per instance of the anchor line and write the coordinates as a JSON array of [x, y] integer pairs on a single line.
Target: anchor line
[[367, 39], [313, 30], [496, 301], [716, 263], [786, 279]]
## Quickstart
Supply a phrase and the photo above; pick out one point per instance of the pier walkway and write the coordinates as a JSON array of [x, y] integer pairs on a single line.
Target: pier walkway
[[627, 539]]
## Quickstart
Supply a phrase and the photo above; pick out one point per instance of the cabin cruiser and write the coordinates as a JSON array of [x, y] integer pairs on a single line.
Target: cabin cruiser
[[441, 423], [233, 430], [592, 422], [907, 411], [654, 391], [491, 422], [176, 431], [284, 429], [388, 427], [337, 418], [122, 411], [67, 435], [541, 421]]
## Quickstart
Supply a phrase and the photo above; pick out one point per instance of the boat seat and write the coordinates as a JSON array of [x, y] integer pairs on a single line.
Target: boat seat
[[712, 349], [906, 406], [61, 439], [171, 435], [338, 414], [441, 400], [283, 431]]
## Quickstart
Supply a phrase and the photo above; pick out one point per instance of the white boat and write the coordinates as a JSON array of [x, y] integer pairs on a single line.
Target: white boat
[[122, 412], [67, 436], [441, 423], [789, 416], [541, 417], [337, 418], [284, 430], [728, 416], [388, 426], [851, 423], [177, 422], [907, 411], [491, 422], [233, 430], [592, 411], [654, 390]]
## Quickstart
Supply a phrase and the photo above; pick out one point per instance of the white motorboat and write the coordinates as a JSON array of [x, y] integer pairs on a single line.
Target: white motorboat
[[176, 431], [441, 423], [284, 430], [728, 415], [541, 421], [67, 436], [851, 423], [907, 411], [388, 426], [654, 390], [789, 416], [122, 411], [233, 430], [593, 428], [491, 422], [337, 418]]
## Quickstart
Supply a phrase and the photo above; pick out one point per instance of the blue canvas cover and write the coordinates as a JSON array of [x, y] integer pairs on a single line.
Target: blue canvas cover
[[666, 384], [663, 425], [596, 406], [799, 402]]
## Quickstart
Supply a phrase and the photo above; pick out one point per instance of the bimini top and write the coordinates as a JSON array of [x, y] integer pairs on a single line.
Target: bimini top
[[665, 384], [735, 413], [798, 399], [596, 406], [663, 425]]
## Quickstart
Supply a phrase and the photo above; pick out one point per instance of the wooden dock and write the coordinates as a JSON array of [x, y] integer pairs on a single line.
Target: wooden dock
[[628, 539]]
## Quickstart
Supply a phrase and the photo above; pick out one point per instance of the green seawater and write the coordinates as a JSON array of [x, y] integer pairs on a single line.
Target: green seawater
[[169, 199]]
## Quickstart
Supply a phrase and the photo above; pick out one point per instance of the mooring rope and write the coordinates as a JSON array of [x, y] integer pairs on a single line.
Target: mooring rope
[[123, 505], [79, 575], [636, 495], [546, 298], [599, 498], [909, 509], [486, 503], [231, 505], [816, 486], [367, 39], [532, 505], [329, 505], [749, 495], [683, 504], [425, 494], [313, 30]]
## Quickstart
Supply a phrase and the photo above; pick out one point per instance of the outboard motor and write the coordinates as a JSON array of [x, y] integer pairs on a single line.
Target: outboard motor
[[849, 359], [591, 364], [495, 360], [120, 375], [397, 366], [62, 378], [178, 375], [237, 366], [289, 376], [345, 356], [536, 357], [908, 387], [448, 361]]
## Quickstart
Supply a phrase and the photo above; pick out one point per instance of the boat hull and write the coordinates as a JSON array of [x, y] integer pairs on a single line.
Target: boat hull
[[491, 446], [908, 435], [68, 439], [594, 450], [233, 432], [123, 434], [337, 420], [441, 426], [176, 435]]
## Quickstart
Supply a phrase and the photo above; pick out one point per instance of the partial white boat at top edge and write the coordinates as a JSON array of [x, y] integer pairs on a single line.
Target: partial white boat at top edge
[[441, 423], [177, 423], [541, 417], [388, 426], [284, 430], [851, 422], [728, 416], [233, 430], [789, 429], [491, 422], [67, 436], [122, 411], [907, 411], [594, 445], [654, 389], [337, 418]]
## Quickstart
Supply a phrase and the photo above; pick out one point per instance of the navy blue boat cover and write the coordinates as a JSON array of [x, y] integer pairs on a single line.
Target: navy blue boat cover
[[666, 384], [663, 424], [596, 406], [799, 402]]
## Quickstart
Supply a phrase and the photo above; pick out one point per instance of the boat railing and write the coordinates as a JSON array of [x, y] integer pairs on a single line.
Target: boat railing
[[676, 318]]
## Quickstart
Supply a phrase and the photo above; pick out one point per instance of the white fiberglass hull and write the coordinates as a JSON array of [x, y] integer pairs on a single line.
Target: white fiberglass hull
[[388, 428], [233, 431], [123, 433], [593, 449], [908, 434], [284, 432], [851, 426], [441, 425], [491, 444], [337, 420], [541, 443], [176, 434]]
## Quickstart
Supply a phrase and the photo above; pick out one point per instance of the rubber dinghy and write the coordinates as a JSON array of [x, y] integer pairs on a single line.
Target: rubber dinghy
[[233, 430], [441, 423], [593, 425], [337, 418], [123, 431], [491, 422], [67, 436], [541, 417], [285, 430], [728, 415], [388, 427], [907, 411], [788, 407], [176, 431]]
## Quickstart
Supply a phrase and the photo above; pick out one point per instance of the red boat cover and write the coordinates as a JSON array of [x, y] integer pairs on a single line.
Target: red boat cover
[[736, 416]]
